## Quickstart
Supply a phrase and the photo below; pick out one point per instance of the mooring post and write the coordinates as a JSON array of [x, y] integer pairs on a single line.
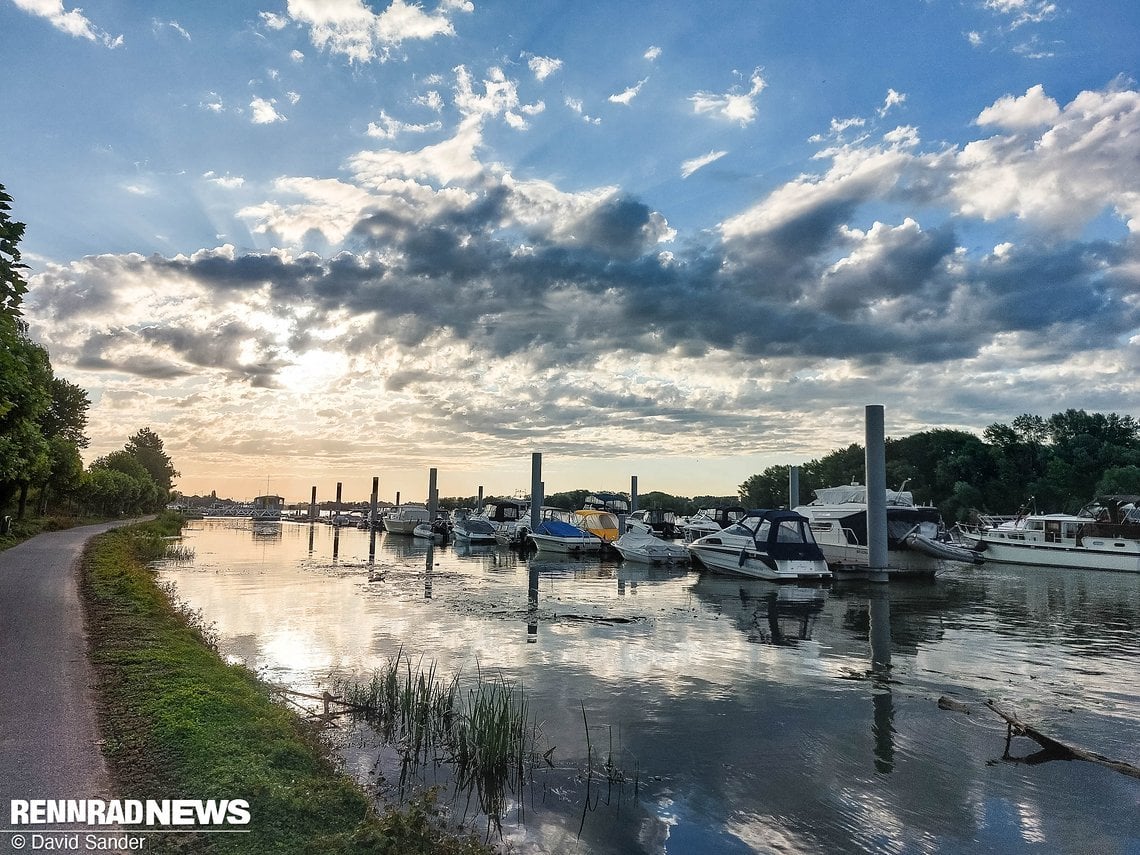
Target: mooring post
[[793, 487], [338, 489], [632, 504], [397, 498], [535, 490], [372, 518], [313, 505], [433, 497], [876, 465], [479, 501]]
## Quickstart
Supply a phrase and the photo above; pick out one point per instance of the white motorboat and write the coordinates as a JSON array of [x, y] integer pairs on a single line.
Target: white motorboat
[[918, 544], [473, 530], [437, 532], [557, 534], [661, 522], [765, 544], [404, 519], [710, 520], [1105, 535], [509, 519], [638, 544]]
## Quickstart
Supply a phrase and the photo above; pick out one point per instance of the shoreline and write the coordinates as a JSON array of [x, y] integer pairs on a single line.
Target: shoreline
[[179, 723]]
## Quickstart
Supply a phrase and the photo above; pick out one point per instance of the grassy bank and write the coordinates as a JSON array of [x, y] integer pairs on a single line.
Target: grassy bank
[[178, 722]]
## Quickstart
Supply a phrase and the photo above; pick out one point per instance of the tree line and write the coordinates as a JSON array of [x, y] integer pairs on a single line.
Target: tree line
[[43, 421], [1058, 464]]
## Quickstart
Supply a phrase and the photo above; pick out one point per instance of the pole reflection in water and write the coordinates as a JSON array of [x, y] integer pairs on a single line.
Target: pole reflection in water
[[532, 606], [336, 544], [311, 527], [428, 563], [372, 546], [882, 727]]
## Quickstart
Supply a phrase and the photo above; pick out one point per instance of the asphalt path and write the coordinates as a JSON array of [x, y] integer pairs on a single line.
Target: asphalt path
[[49, 735]]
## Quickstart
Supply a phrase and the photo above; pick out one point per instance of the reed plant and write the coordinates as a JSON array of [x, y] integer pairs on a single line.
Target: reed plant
[[485, 731]]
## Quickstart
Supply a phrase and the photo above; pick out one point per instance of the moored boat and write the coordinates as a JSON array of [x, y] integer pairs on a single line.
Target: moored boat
[[474, 530], [710, 520], [1105, 535], [557, 533], [776, 545], [642, 546], [918, 544], [404, 519]]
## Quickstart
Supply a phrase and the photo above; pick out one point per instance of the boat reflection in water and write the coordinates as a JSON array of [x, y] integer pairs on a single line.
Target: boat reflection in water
[[753, 716], [767, 612]]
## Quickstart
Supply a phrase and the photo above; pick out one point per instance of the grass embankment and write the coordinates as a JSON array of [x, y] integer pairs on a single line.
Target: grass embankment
[[178, 722]]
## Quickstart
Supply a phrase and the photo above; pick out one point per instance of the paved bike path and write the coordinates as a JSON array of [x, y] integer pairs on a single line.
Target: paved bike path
[[48, 727]]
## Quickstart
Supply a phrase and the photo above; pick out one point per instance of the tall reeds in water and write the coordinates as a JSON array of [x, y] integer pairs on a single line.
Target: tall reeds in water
[[484, 732]]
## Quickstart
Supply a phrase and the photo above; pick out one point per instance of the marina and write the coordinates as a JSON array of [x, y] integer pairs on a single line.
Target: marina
[[689, 711]]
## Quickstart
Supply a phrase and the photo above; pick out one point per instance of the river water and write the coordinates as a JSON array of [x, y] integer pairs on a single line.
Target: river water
[[739, 716]]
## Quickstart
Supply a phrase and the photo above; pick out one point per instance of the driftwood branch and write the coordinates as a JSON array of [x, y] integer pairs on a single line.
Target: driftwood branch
[[1052, 749]]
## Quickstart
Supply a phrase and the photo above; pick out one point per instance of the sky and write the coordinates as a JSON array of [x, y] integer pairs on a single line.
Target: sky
[[317, 241]]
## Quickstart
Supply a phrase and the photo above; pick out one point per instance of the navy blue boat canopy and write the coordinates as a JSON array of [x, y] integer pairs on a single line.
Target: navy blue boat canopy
[[781, 533]]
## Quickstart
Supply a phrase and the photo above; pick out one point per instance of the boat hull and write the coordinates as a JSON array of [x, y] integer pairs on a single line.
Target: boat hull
[[647, 549], [566, 545], [1113, 559], [756, 565]]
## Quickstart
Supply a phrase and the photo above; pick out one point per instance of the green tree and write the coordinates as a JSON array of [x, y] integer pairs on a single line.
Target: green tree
[[12, 284], [138, 493], [769, 489], [146, 447], [1119, 481], [25, 377]]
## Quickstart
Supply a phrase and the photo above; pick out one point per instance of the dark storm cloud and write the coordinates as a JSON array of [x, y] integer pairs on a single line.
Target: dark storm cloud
[[779, 294]]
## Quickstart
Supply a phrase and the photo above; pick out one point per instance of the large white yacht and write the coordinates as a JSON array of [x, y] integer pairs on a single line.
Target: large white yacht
[[917, 541], [1105, 535]]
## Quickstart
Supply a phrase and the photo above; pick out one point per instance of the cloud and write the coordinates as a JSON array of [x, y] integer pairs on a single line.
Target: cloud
[[586, 314], [688, 167], [173, 25], [274, 21], [543, 66], [389, 128], [653, 53], [1022, 12], [263, 112], [351, 29], [72, 22], [629, 94], [1034, 109], [733, 106], [575, 105], [893, 99], [1062, 177], [228, 182]]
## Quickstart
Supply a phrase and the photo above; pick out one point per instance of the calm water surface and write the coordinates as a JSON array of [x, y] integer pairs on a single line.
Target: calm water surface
[[754, 718]]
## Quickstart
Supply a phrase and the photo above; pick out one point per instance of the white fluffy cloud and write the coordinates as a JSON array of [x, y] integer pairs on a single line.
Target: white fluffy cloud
[[350, 28], [73, 21], [263, 111], [732, 106]]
